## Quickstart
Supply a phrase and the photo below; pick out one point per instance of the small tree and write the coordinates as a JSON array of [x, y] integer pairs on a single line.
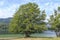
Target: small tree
[[28, 19], [55, 21]]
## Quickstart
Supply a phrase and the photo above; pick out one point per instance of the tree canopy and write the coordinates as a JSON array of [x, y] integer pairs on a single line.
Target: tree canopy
[[28, 19]]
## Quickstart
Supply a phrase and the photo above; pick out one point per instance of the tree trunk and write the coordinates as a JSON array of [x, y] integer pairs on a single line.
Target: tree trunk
[[57, 34], [27, 34]]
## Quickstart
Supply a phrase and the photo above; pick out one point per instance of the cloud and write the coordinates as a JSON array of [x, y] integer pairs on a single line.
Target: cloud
[[46, 4], [2, 3], [8, 11], [8, 7], [49, 7]]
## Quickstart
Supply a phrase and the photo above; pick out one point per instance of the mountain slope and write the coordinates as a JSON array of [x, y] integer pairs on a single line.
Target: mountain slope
[[5, 20]]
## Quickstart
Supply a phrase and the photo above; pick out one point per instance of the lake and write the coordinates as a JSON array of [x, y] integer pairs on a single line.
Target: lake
[[45, 34]]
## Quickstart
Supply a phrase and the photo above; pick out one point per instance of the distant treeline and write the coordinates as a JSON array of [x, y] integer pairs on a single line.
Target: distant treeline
[[4, 23]]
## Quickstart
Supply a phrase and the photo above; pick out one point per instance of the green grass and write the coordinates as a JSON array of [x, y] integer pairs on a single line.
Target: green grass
[[22, 35], [11, 35]]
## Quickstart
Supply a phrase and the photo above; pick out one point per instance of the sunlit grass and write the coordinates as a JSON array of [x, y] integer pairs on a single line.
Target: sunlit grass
[[30, 38], [37, 39]]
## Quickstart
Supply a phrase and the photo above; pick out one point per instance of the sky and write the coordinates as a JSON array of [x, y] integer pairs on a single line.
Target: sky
[[9, 7]]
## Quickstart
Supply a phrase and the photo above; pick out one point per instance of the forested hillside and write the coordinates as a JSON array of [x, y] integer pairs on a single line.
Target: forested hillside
[[4, 22]]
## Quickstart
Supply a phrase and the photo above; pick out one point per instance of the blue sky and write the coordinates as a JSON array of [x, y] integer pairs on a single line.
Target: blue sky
[[8, 7]]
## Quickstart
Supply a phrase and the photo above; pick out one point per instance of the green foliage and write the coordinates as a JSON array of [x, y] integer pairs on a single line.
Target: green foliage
[[58, 8], [28, 19], [55, 20]]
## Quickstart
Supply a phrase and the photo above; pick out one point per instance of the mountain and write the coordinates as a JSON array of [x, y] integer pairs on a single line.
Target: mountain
[[5, 20]]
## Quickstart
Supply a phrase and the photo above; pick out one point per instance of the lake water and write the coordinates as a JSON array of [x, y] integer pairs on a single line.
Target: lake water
[[45, 34]]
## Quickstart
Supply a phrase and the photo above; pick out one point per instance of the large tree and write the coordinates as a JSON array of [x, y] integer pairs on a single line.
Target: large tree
[[28, 19], [54, 21]]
